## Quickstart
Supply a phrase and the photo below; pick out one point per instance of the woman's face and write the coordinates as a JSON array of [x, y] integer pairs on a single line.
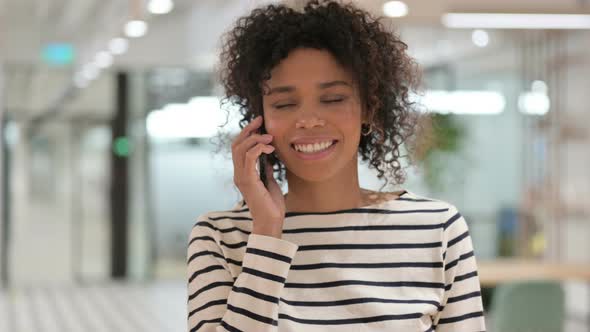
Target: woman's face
[[311, 97]]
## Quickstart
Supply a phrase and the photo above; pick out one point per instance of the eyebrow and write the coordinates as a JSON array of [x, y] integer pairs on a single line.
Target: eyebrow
[[323, 85]]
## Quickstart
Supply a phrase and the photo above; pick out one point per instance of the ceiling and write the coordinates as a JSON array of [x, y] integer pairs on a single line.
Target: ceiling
[[188, 37]]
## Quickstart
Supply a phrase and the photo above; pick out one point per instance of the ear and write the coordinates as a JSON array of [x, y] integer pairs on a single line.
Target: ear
[[365, 115]]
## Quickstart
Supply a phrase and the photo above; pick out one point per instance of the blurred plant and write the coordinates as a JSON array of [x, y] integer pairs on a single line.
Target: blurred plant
[[446, 141]]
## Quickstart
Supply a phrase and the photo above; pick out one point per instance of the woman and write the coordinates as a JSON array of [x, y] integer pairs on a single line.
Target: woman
[[331, 83]]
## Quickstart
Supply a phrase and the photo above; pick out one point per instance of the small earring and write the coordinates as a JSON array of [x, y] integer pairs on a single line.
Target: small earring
[[370, 130]]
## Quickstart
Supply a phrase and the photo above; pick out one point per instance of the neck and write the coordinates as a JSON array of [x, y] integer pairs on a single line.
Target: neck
[[339, 192]]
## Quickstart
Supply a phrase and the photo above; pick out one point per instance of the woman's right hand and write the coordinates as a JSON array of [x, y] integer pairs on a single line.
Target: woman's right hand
[[267, 206]]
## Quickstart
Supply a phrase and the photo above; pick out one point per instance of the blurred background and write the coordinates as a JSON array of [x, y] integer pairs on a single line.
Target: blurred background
[[107, 109]]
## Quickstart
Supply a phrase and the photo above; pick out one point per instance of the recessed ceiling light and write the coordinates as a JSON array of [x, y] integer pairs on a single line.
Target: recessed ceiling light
[[90, 71], [135, 28], [103, 59], [395, 9], [480, 38], [160, 6], [118, 45]]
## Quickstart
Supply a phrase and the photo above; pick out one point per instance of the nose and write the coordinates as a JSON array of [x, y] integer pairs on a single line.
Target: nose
[[309, 120]]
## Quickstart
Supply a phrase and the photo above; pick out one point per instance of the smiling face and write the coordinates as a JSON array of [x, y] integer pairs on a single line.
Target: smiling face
[[311, 96]]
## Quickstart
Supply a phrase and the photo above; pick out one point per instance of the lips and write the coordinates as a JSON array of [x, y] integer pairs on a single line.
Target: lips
[[315, 155], [313, 142]]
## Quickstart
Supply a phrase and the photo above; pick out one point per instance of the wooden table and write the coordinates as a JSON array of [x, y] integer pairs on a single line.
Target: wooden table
[[493, 272]]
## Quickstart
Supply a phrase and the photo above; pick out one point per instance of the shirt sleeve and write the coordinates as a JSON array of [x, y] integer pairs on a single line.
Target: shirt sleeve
[[250, 302], [461, 308]]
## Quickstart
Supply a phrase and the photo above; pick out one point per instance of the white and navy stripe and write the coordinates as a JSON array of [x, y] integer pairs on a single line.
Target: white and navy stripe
[[405, 265]]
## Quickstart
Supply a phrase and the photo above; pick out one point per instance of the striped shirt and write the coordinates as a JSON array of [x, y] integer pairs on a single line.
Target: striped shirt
[[405, 264]]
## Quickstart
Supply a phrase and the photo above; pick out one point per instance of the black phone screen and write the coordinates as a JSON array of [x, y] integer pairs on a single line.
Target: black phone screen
[[263, 159]]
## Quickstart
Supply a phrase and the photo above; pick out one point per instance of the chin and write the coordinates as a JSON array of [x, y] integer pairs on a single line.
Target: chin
[[314, 177], [312, 173]]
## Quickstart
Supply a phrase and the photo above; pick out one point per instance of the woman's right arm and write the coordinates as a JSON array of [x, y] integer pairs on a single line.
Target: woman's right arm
[[217, 302]]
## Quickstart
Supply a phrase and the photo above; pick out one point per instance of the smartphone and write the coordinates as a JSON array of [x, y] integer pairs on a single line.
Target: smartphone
[[263, 159]]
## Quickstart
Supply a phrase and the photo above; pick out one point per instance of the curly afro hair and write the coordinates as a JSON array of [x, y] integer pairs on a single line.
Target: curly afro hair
[[377, 58]]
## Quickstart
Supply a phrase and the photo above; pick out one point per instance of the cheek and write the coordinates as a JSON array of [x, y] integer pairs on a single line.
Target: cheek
[[273, 127], [350, 118], [276, 128]]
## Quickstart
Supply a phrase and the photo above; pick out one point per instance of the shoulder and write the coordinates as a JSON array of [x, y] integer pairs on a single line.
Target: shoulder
[[453, 228], [445, 212], [410, 199], [453, 224], [216, 223]]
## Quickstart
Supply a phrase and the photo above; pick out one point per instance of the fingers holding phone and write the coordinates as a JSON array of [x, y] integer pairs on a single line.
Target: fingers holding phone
[[266, 205], [246, 148]]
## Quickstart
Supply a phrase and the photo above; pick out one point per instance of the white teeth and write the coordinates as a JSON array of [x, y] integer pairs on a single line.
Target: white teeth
[[311, 148]]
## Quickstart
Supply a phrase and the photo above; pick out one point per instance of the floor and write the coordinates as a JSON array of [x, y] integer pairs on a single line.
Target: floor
[[102, 308]]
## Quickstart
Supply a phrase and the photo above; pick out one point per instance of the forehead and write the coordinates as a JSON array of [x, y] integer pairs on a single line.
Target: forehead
[[308, 65]]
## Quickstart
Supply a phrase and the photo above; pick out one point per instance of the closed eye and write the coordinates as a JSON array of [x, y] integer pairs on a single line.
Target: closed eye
[[326, 101], [333, 101], [284, 106]]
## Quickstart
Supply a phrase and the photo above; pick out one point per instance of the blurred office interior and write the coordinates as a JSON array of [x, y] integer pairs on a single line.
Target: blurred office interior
[[108, 107]]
